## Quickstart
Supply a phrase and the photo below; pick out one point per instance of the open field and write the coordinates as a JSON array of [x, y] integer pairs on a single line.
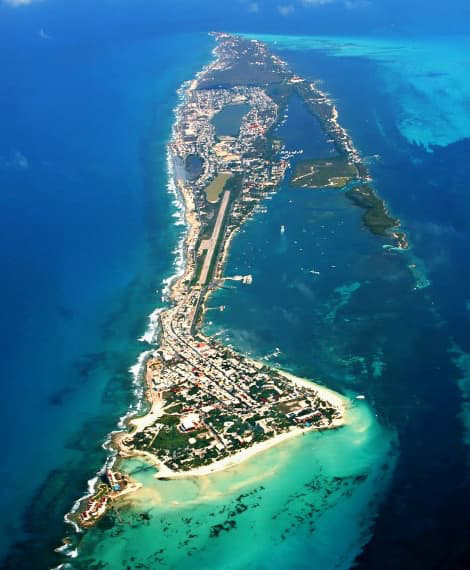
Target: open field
[[335, 172], [215, 188]]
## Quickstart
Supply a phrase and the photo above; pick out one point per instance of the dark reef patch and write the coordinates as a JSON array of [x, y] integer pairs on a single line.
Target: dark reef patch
[[222, 527]]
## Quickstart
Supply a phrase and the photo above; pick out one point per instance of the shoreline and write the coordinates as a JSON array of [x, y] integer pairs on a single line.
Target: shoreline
[[240, 457], [173, 293], [236, 459], [326, 394]]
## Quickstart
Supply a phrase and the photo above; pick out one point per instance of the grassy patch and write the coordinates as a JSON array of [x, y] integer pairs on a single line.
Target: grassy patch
[[334, 172], [168, 420], [215, 188]]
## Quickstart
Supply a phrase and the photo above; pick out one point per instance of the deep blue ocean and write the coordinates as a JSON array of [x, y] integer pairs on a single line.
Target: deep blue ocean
[[88, 231]]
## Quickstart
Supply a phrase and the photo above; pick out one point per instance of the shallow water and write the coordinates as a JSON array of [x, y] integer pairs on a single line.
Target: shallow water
[[284, 505]]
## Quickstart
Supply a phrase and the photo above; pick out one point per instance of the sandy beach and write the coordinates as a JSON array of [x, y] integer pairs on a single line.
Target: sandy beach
[[237, 458], [333, 398]]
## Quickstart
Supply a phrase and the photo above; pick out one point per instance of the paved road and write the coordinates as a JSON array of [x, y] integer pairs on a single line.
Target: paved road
[[214, 238]]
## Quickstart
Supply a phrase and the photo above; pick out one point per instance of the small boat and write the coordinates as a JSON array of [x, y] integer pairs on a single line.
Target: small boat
[[283, 229], [360, 397]]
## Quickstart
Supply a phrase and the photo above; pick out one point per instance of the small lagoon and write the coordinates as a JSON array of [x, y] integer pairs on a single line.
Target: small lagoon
[[227, 122]]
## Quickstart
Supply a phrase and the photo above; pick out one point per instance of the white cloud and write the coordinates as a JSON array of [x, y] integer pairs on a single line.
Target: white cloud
[[44, 35], [317, 2], [254, 7], [350, 4], [286, 9], [16, 3], [355, 4], [16, 160]]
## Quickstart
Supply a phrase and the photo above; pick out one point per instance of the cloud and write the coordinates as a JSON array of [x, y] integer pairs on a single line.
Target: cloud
[[253, 8], [286, 9], [17, 3], [356, 4], [350, 4], [317, 2], [16, 160], [43, 35]]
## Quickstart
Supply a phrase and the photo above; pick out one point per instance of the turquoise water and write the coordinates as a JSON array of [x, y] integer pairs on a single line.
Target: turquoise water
[[285, 505], [392, 337], [319, 289]]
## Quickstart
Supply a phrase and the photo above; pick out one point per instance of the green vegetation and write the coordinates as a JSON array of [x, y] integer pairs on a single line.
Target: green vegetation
[[171, 439], [234, 184], [321, 110], [169, 420], [280, 93], [199, 264], [102, 491], [202, 443], [314, 101], [215, 188], [333, 172], [259, 148], [243, 70], [210, 211], [376, 217]]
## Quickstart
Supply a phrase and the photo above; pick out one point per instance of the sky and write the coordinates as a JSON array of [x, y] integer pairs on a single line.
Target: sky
[[290, 16]]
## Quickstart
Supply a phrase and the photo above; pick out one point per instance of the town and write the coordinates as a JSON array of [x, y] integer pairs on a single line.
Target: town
[[217, 402]]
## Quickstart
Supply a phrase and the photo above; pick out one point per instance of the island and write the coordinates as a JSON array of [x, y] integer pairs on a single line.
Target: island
[[209, 407]]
